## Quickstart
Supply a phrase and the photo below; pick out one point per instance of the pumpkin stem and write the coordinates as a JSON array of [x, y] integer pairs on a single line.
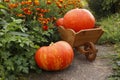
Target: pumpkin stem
[[51, 43]]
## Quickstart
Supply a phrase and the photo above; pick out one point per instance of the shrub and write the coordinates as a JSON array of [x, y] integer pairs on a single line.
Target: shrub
[[104, 7], [111, 29], [16, 50]]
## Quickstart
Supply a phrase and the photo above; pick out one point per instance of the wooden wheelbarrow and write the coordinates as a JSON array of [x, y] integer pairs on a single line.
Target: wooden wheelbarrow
[[83, 41]]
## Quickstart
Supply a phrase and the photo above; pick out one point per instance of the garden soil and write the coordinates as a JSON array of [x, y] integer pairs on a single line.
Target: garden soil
[[82, 69]]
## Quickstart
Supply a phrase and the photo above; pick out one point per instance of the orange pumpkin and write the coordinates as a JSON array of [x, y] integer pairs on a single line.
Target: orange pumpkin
[[57, 56], [59, 22], [78, 19]]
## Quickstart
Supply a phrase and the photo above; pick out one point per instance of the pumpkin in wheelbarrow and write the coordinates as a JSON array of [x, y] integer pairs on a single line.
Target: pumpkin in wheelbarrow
[[59, 22], [57, 56], [78, 19]]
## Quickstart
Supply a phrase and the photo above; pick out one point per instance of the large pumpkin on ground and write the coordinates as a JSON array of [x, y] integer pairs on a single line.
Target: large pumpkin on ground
[[78, 19], [57, 56]]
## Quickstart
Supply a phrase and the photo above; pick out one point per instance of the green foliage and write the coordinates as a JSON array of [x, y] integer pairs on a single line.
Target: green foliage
[[111, 29], [104, 7], [16, 50], [116, 64]]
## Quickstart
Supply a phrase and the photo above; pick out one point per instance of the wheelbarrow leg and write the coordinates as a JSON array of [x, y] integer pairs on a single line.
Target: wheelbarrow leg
[[89, 51], [92, 51]]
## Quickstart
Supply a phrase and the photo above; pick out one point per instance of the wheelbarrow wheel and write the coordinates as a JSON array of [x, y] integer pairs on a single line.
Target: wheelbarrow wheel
[[91, 51]]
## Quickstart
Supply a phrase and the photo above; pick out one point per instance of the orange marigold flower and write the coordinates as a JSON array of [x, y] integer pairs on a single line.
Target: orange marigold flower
[[6, 0], [29, 2], [48, 2], [23, 2], [37, 3], [20, 15], [46, 10], [45, 28], [44, 21], [59, 5], [78, 0], [13, 5], [41, 10], [38, 9], [40, 15], [27, 11], [48, 19], [40, 19], [61, 1]]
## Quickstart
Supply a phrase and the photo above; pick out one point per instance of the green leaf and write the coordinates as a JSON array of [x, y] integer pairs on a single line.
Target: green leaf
[[26, 70], [22, 45], [3, 22], [18, 21], [3, 7], [9, 65], [118, 63], [1, 44], [19, 34]]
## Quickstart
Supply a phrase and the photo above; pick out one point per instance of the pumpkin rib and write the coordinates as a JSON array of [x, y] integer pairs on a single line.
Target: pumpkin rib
[[40, 56], [68, 50], [53, 61]]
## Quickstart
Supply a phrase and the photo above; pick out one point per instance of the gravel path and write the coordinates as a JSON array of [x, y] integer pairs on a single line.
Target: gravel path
[[81, 69]]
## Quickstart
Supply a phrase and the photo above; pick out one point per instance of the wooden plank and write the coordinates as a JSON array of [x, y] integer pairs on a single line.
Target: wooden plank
[[67, 35], [88, 35]]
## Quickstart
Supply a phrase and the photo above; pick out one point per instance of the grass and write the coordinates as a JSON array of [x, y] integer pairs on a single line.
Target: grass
[[116, 64]]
